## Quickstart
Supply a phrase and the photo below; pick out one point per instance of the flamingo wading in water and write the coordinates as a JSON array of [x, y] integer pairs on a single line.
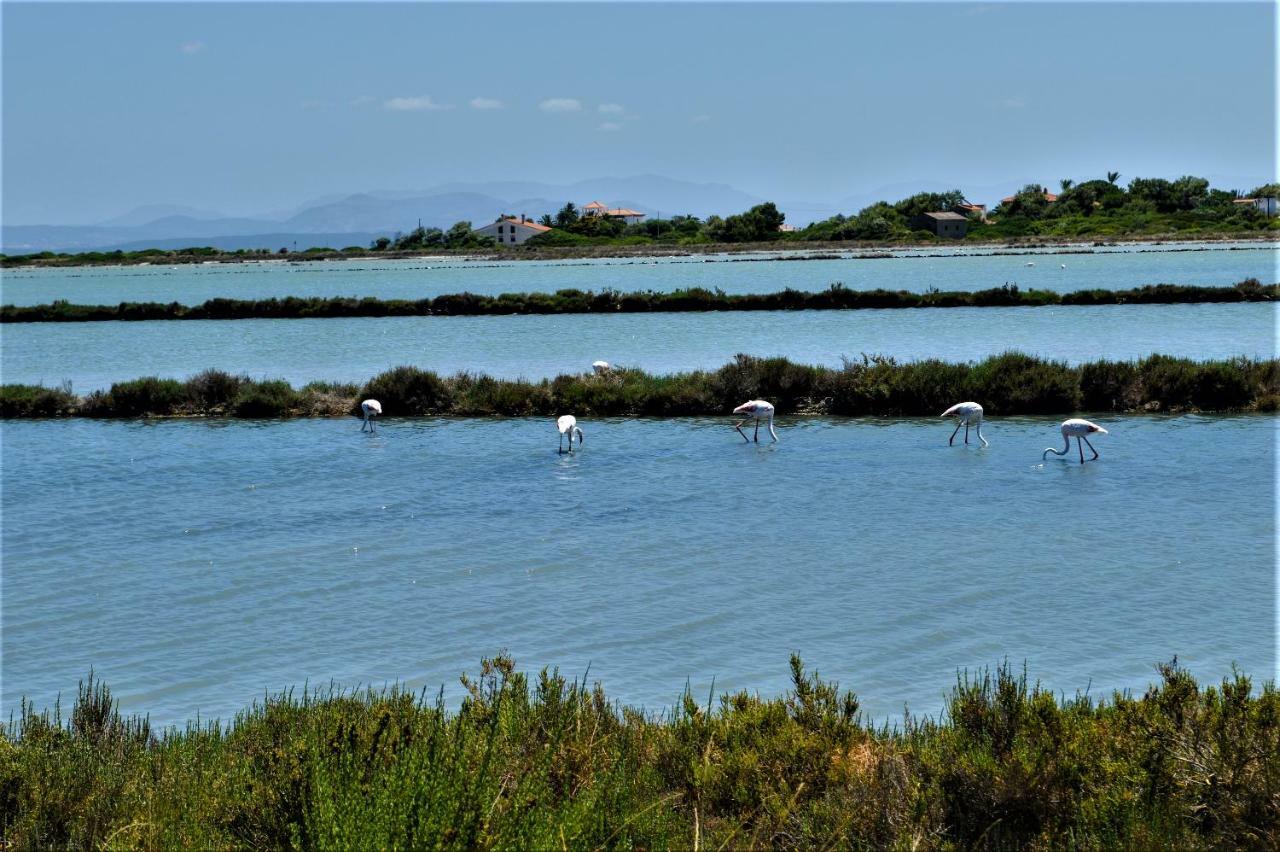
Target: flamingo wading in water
[[568, 425], [966, 414], [760, 410], [1079, 429], [371, 409]]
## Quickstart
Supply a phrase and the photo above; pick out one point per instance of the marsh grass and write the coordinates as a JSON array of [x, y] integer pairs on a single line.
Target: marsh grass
[[544, 762], [1006, 384], [835, 297]]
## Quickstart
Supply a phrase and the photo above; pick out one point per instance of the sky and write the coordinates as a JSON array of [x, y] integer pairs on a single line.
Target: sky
[[254, 108]]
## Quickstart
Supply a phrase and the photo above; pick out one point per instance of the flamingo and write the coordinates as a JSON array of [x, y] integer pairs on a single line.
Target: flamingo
[[600, 367], [966, 413], [371, 408], [1080, 429], [760, 410], [568, 425]]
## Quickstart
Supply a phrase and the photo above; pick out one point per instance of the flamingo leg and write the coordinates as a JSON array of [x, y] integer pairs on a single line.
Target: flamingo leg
[[738, 426], [1095, 451], [756, 437], [966, 432], [953, 435], [561, 449], [1080, 447]]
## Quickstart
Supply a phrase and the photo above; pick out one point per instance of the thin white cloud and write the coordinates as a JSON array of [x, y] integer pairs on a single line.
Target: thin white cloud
[[611, 109], [486, 103], [609, 126], [700, 119], [561, 105], [190, 48], [414, 104]]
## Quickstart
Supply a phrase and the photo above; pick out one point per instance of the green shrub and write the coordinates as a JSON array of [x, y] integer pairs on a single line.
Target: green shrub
[[214, 391], [146, 397], [408, 391], [273, 398], [35, 401]]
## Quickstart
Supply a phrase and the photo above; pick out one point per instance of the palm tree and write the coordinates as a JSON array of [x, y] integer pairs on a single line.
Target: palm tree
[[1112, 177], [1066, 184]]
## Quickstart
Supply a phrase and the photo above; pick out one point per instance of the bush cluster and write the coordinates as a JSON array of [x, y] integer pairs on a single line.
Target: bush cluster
[[543, 762], [835, 297], [1007, 384]]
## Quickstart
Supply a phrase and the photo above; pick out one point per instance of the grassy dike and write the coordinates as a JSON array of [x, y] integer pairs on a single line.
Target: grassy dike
[[541, 762], [835, 297], [1007, 384]]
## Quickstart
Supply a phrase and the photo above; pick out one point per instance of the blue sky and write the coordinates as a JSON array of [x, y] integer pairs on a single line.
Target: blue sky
[[247, 108]]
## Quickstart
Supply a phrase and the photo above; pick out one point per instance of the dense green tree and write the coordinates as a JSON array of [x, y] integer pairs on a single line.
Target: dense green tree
[[567, 216]]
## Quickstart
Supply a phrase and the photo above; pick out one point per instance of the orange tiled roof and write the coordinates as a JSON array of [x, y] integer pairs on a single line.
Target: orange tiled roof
[[623, 211], [595, 205], [528, 223]]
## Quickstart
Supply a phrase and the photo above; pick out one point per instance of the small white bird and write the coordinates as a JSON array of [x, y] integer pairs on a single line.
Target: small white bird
[[1062, 265], [1028, 263], [760, 410], [600, 367], [371, 408], [966, 413], [1079, 429], [568, 425]]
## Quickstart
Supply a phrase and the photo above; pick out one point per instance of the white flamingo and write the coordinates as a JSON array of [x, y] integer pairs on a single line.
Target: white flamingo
[[760, 410], [371, 408], [1079, 429], [568, 425], [966, 414], [600, 367]]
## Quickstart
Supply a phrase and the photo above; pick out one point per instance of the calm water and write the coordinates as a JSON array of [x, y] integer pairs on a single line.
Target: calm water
[[196, 564], [93, 355], [1109, 268]]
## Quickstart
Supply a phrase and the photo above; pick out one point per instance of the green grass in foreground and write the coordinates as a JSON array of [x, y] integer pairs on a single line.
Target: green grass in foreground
[[835, 297], [1006, 384], [551, 764]]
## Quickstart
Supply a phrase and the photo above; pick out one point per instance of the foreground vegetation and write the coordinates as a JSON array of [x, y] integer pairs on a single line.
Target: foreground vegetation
[[835, 297], [1012, 383], [543, 762]]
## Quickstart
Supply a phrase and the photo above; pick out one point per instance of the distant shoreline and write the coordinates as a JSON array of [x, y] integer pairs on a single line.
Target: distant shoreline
[[783, 248]]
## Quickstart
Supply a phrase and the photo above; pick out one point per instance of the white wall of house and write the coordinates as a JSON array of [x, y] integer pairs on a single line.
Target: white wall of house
[[511, 232]]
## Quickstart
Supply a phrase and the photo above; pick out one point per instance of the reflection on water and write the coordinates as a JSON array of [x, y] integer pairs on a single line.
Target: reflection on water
[[196, 564]]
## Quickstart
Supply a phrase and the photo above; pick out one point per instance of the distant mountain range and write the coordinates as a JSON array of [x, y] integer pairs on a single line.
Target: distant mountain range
[[358, 219]]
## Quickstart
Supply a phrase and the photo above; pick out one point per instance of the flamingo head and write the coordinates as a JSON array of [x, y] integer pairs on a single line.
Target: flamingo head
[[1096, 428], [746, 408]]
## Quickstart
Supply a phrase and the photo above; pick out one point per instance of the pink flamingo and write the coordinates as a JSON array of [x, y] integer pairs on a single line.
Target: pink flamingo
[[760, 410], [568, 425], [1079, 429], [371, 409], [966, 413]]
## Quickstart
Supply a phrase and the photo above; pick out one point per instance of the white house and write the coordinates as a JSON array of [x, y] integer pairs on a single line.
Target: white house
[[1266, 204], [512, 231]]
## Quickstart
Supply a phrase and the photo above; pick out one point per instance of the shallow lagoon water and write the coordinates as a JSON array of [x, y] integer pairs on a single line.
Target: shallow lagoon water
[[93, 355], [971, 268], [197, 564]]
